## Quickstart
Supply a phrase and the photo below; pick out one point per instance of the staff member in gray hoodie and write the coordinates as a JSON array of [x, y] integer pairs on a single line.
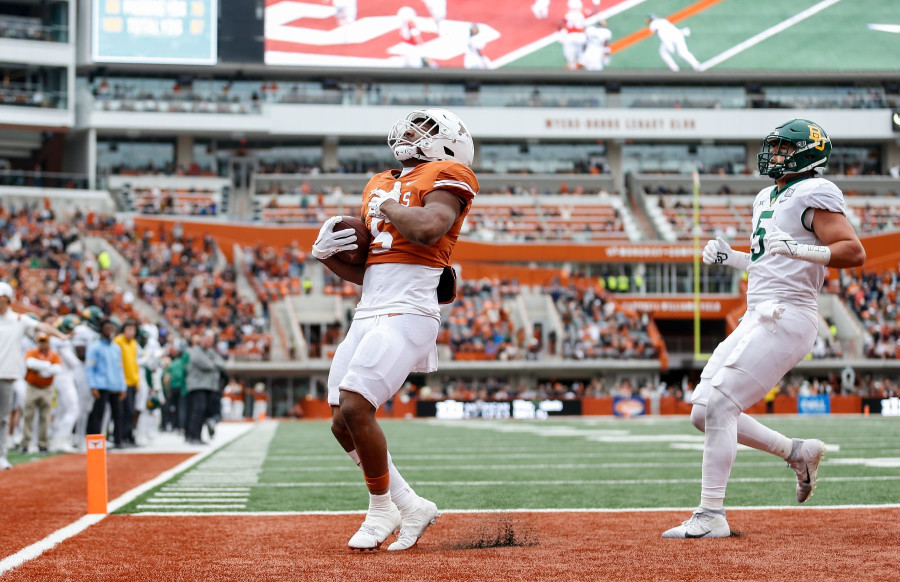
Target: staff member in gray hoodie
[[204, 369]]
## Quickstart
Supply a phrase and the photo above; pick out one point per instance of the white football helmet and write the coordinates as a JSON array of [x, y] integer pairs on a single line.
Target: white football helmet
[[432, 134]]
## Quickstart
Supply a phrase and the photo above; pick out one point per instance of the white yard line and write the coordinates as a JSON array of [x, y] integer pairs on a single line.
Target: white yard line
[[499, 483], [769, 32], [550, 39], [523, 510], [36, 549]]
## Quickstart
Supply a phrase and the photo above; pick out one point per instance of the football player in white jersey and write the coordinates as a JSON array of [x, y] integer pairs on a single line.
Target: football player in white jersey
[[672, 41], [67, 406], [596, 47], [799, 228], [571, 36], [475, 57]]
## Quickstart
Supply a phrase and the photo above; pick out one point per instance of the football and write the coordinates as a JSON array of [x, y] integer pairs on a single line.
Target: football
[[363, 238]]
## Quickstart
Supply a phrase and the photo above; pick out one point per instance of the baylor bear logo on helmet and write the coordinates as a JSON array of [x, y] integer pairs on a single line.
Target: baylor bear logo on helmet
[[795, 147]]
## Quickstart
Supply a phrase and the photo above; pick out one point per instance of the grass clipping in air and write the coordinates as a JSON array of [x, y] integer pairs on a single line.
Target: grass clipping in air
[[502, 533]]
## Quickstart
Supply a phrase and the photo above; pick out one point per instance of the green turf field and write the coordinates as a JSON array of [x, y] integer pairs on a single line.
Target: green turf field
[[837, 37], [573, 464]]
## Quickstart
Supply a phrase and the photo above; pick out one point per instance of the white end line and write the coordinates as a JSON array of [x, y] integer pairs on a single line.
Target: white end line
[[755, 40], [36, 549]]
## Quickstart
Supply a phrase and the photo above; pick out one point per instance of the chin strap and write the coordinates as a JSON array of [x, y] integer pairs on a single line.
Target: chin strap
[[406, 152]]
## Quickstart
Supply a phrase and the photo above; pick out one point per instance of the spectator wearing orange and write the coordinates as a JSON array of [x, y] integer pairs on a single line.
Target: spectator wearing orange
[[42, 365]]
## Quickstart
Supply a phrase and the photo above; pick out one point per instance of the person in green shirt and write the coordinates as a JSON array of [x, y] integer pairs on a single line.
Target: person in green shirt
[[175, 385]]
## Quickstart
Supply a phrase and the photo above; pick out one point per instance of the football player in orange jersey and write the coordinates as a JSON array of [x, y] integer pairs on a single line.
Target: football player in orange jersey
[[415, 215]]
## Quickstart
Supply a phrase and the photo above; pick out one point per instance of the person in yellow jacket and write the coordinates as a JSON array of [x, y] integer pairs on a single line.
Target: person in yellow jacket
[[127, 342], [42, 365]]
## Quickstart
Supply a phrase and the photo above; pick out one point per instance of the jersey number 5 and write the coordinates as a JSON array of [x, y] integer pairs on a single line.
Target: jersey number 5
[[757, 242]]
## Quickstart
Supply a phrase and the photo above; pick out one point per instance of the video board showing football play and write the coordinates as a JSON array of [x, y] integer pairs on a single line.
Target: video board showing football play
[[677, 35]]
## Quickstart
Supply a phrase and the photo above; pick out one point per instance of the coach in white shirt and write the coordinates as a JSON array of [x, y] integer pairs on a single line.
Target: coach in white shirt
[[12, 328]]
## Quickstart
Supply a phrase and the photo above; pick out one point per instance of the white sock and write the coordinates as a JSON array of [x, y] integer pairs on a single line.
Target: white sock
[[714, 503], [751, 433], [401, 493], [754, 434], [720, 446], [381, 502]]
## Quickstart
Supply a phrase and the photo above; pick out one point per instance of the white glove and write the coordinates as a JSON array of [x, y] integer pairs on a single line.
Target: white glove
[[719, 252], [779, 242], [330, 242], [380, 197]]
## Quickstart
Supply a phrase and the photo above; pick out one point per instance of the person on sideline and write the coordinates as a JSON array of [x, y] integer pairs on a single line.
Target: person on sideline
[[672, 41], [204, 370], [42, 365], [127, 342], [103, 368], [798, 229], [13, 327], [415, 214], [67, 407]]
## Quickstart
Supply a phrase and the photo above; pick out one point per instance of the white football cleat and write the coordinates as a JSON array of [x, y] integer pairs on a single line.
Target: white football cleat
[[378, 525], [702, 524], [413, 523], [4, 464], [804, 460]]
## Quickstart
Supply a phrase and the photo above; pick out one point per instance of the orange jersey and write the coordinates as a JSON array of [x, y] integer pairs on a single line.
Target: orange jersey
[[388, 245]]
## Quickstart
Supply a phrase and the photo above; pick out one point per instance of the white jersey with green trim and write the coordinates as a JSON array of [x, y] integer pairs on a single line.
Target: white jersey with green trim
[[778, 277]]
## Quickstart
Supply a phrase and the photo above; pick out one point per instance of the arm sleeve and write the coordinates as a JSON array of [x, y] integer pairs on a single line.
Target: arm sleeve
[[826, 196], [38, 365], [201, 360], [68, 357], [90, 365], [458, 179]]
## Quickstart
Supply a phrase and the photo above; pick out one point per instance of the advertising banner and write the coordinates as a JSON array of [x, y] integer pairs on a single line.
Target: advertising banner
[[818, 404]]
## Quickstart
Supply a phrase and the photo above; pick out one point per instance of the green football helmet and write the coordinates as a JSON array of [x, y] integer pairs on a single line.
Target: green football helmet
[[93, 316], [67, 323], [811, 148]]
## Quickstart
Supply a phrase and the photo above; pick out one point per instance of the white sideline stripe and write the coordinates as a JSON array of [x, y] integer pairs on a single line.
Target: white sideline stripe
[[182, 489], [755, 40], [219, 506], [550, 39], [36, 549], [200, 500], [545, 466], [523, 510], [577, 482], [217, 493]]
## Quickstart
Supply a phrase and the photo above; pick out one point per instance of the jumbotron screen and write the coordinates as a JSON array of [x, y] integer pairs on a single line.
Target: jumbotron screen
[[802, 35], [179, 32]]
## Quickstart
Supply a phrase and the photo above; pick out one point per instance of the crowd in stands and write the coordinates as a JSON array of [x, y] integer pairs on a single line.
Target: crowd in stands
[[171, 201], [245, 96], [877, 218], [184, 281], [28, 28], [275, 273], [873, 297], [40, 179], [479, 326], [595, 327], [29, 97]]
